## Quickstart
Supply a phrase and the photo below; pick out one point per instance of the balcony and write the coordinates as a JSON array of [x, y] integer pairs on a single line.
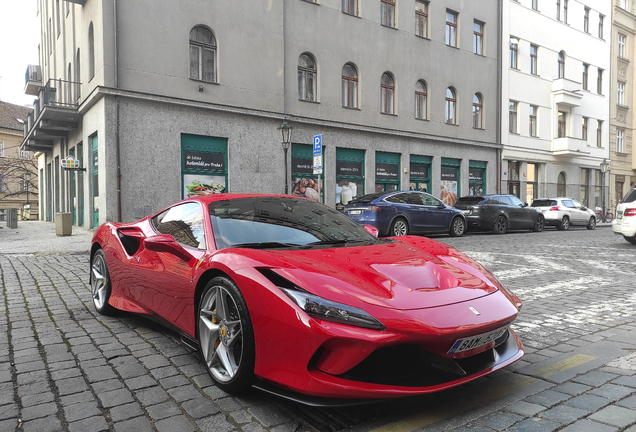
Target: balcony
[[567, 92], [32, 80], [568, 146], [54, 115]]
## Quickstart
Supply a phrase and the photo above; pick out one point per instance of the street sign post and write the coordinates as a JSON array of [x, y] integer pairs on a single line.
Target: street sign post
[[318, 160]]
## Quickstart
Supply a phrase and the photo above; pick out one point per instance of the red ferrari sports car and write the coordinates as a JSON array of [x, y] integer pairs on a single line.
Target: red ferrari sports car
[[295, 298]]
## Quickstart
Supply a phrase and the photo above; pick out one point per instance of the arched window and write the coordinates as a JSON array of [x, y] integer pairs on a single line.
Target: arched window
[[387, 89], [451, 102], [307, 78], [202, 54], [69, 86], [561, 185], [78, 76], [91, 52], [349, 86], [561, 71], [420, 100], [477, 112]]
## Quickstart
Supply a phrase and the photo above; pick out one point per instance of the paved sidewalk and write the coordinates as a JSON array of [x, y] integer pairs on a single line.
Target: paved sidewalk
[[35, 237]]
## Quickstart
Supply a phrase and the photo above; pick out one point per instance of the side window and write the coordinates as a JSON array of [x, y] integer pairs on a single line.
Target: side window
[[183, 222], [568, 203], [399, 198], [577, 204], [504, 200], [413, 199], [430, 200], [493, 201], [516, 201]]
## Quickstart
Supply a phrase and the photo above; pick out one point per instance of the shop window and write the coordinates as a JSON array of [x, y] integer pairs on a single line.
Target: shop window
[[420, 173], [477, 178], [585, 186], [532, 185], [450, 180], [349, 176], [387, 172], [562, 185], [305, 183], [203, 166], [514, 184]]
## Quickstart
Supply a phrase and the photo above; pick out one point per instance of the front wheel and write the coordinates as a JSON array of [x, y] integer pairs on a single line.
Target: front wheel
[[609, 217], [539, 224], [399, 227], [500, 226], [564, 225], [458, 227], [592, 223], [100, 284], [632, 240], [226, 336]]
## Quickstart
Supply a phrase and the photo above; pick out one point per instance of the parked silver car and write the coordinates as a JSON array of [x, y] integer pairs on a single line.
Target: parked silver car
[[563, 212]]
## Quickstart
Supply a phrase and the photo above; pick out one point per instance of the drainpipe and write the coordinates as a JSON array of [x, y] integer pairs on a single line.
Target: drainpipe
[[499, 91], [117, 148]]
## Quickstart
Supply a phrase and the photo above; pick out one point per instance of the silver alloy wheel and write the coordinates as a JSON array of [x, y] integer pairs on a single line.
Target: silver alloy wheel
[[399, 228], [220, 333], [565, 223], [592, 224], [459, 226], [99, 281]]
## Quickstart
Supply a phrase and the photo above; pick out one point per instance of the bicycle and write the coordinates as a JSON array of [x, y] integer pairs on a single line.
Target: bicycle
[[599, 215]]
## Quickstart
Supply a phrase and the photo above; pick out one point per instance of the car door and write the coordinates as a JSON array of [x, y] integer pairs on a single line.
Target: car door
[[438, 216], [165, 277], [569, 210], [515, 219], [526, 214], [418, 214], [580, 212]]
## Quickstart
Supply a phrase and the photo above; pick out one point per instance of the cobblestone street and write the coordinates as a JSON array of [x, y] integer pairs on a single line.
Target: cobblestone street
[[63, 367]]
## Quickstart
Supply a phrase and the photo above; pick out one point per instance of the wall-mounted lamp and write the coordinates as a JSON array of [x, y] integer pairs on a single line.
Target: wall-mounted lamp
[[200, 88]]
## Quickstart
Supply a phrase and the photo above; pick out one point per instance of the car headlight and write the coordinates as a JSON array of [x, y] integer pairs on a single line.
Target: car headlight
[[328, 310]]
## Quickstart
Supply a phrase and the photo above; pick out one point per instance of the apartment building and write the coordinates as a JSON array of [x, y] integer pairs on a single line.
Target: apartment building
[[556, 89], [160, 100]]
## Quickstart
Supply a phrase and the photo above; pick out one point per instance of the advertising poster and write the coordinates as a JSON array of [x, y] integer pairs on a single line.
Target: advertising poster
[[306, 188], [198, 184], [449, 186]]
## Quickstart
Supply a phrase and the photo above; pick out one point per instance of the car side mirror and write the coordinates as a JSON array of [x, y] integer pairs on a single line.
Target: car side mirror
[[372, 230], [525, 204], [167, 243]]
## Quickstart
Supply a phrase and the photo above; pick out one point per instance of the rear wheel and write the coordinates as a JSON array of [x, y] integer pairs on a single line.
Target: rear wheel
[[632, 240], [100, 284], [500, 226], [592, 223], [399, 227], [564, 225], [458, 227], [609, 217], [226, 336], [539, 224]]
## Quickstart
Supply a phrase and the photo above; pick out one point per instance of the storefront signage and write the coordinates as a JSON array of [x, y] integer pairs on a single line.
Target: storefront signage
[[449, 174], [419, 171], [620, 178], [386, 171], [203, 161], [476, 175], [69, 163], [302, 166], [348, 168]]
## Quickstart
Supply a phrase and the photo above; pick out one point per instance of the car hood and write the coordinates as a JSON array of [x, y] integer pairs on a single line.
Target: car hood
[[409, 273]]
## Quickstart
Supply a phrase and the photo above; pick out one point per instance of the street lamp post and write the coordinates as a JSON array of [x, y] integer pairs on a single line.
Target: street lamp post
[[286, 132], [604, 168]]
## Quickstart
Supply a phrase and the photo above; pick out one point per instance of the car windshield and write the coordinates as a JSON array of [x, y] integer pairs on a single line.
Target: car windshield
[[367, 198], [630, 197], [543, 203], [275, 222]]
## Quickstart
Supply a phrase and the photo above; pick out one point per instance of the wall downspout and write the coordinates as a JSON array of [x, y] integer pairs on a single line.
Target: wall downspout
[[499, 91], [117, 148]]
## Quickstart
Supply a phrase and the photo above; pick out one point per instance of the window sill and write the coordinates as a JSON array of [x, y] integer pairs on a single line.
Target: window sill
[[351, 15], [478, 128], [390, 27], [514, 133], [352, 108], [451, 124], [625, 107], [203, 81], [626, 60], [422, 119], [423, 37], [452, 46], [621, 154], [388, 114], [309, 101]]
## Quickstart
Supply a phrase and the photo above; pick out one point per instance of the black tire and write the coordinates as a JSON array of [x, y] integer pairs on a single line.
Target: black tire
[[500, 226], [564, 225], [399, 227], [591, 224], [457, 227], [100, 284], [631, 240], [226, 331], [539, 224]]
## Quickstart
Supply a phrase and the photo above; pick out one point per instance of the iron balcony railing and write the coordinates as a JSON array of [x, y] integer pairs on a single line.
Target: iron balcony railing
[[33, 73], [57, 93]]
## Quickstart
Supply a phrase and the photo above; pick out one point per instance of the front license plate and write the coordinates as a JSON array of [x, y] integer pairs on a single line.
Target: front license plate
[[355, 212], [465, 344]]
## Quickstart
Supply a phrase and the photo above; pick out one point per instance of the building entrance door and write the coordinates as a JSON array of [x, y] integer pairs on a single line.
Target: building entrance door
[[95, 189]]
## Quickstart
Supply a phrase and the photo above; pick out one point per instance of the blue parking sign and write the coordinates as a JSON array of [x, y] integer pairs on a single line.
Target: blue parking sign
[[317, 145]]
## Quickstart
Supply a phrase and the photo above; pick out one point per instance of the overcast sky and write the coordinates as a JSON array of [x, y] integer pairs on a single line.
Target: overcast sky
[[19, 39]]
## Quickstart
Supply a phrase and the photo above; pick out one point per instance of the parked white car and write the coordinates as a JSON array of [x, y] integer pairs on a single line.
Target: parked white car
[[563, 212], [625, 222]]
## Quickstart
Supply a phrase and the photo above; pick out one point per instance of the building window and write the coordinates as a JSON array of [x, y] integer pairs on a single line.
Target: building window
[[349, 86], [535, 4], [534, 51], [585, 70], [586, 20], [561, 67], [562, 185], [565, 11], [451, 28], [477, 112], [562, 123], [3, 184], [387, 88], [513, 52], [599, 133], [620, 96], [512, 117], [619, 141], [584, 128], [621, 45], [91, 52], [558, 11], [599, 82], [1, 148], [57, 17], [622, 4], [451, 102], [585, 185], [387, 17], [420, 100], [600, 26], [478, 38], [202, 54], [24, 155], [421, 18], [306, 78], [350, 7], [533, 120]]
